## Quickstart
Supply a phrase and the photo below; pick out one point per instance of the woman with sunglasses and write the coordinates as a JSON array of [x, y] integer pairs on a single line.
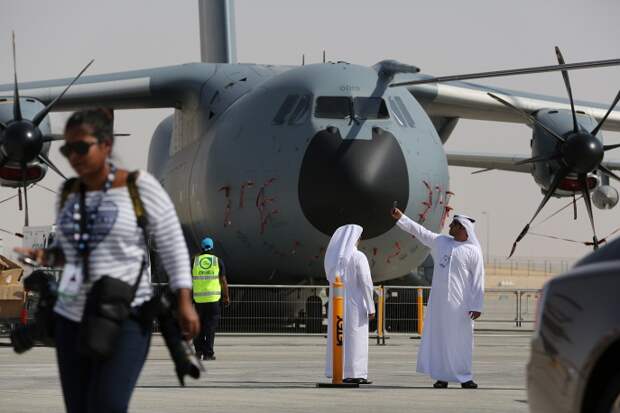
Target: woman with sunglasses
[[115, 247]]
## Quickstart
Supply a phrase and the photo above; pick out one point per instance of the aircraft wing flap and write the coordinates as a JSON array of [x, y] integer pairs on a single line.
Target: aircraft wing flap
[[470, 101], [487, 161]]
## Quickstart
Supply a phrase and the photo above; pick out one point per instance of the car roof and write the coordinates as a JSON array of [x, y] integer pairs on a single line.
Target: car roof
[[610, 252]]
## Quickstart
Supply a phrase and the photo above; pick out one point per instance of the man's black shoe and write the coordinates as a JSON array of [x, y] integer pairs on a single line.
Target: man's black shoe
[[205, 357], [440, 384], [469, 385], [362, 381]]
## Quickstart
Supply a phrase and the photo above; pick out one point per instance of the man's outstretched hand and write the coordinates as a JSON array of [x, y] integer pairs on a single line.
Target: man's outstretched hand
[[396, 213]]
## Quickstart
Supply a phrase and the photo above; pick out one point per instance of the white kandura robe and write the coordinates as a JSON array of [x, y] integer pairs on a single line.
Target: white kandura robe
[[359, 303], [340, 249], [457, 288]]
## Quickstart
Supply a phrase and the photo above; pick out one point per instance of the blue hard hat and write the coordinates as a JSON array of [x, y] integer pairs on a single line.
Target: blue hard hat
[[206, 244]]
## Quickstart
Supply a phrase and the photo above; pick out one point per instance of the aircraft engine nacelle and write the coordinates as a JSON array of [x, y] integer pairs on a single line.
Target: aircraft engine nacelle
[[553, 155], [159, 149], [605, 197]]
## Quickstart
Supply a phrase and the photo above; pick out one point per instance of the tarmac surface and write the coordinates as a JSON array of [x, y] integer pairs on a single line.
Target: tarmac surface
[[279, 374]]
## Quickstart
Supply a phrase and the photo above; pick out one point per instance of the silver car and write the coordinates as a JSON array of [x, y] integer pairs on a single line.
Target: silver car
[[575, 356]]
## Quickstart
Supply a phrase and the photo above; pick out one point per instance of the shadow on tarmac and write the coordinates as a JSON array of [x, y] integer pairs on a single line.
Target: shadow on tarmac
[[306, 385]]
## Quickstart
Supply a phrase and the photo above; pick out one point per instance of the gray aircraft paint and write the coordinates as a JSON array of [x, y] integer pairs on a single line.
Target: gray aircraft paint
[[217, 31], [220, 163]]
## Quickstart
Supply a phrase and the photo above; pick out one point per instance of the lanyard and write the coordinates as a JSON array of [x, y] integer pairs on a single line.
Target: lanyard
[[83, 222]]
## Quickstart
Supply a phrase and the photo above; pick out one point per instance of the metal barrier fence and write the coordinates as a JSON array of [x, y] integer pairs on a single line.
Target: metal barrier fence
[[283, 309], [527, 266]]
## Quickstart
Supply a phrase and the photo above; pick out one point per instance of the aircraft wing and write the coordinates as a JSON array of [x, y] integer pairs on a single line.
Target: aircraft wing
[[501, 162], [487, 161], [171, 86], [466, 100]]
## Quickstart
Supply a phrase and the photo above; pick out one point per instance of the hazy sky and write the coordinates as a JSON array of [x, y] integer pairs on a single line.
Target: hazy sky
[[56, 38]]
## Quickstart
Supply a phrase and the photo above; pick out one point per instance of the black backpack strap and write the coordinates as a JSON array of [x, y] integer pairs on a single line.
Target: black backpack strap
[[136, 201], [141, 218]]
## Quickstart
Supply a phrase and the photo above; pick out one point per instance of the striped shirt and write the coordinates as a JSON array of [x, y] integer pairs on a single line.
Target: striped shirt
[[117, 242]]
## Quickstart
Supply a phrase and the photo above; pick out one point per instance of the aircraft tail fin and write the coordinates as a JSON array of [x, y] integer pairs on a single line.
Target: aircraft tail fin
[[217, 31]]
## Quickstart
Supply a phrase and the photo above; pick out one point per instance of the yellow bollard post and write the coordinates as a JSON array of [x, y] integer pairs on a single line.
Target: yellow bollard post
[[337, 309], [420, 304], [381, 317], [337, 330]]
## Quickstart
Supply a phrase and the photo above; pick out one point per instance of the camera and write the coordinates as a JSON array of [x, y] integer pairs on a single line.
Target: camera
[[23, 338], [181, 352]]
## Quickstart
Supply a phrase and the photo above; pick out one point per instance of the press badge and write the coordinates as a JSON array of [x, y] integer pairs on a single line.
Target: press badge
[[71, 281]]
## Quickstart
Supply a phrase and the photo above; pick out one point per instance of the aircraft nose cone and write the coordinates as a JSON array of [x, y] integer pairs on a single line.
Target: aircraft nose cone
[[353, 181]]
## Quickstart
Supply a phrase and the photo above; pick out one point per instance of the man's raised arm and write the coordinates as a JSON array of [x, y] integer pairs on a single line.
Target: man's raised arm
[[405, 223]]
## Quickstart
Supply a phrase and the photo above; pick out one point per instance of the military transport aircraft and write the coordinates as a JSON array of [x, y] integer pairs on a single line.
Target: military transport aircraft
[[271, 159]]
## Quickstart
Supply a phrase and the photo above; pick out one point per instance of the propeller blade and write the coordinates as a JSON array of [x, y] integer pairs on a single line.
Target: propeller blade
[[600, 124], [43, 113], [610, 147], [46, 188], [53, 137], [9, 198], [574, 207], [528, 117], [559, 238], [586, 197], [122, 134], [558, 53], [17, 110], [554, 185], [17, 234], [540, 158], [43, 158], [25, 195], [611, 233], [479, 171], [608, 172], [513, 72], [19, 199], [557, 212]]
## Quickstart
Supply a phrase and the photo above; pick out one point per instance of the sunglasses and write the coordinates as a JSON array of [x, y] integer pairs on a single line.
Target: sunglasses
[[80, 147]]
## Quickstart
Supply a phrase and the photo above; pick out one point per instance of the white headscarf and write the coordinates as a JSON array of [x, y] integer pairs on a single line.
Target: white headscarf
[[341, 247], [468, 224]]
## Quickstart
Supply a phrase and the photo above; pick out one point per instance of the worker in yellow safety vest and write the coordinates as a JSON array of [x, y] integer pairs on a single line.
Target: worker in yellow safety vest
[[210, 291]]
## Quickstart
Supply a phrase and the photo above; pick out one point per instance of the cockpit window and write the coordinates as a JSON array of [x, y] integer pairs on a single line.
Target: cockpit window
[[370, 108], [398, 115], [301, 111], [285, 109], [333, 107], [403, 109], [343, 107]]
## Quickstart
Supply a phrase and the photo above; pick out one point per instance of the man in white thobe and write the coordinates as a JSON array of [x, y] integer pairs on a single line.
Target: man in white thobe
[[344, 259], [455, 300]]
